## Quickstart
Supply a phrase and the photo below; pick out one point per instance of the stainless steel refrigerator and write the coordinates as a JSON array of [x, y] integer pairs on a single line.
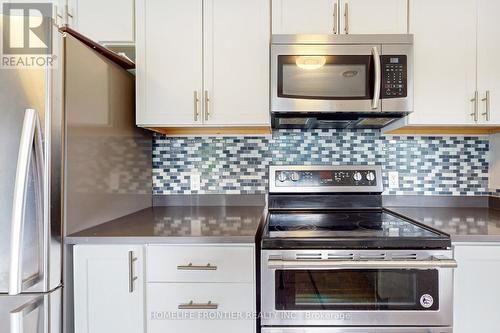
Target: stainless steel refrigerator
[[58, 174]]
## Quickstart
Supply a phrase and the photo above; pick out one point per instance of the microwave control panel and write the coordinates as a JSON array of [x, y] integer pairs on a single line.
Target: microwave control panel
[[394, 78]]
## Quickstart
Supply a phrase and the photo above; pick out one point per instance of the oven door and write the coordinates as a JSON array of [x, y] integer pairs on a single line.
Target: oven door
[[325, 78], [355, 292]]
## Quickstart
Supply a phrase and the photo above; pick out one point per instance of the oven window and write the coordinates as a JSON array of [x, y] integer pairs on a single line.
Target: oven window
[[357, 290], [324, 77]]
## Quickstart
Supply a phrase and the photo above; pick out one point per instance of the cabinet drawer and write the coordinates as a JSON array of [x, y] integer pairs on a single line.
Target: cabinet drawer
[[230, 300], [200, 263]]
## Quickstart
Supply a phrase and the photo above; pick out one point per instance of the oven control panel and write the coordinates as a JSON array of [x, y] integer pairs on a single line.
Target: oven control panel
[[394, 78], [327, 179]]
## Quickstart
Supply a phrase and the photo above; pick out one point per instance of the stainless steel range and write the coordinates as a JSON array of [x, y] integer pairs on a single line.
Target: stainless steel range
[[333, 260]]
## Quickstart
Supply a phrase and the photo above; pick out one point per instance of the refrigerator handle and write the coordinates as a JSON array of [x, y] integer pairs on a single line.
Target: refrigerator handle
[[31, 136], [17, 315]]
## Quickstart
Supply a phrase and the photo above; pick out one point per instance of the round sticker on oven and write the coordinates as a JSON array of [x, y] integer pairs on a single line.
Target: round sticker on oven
[[426, 301]]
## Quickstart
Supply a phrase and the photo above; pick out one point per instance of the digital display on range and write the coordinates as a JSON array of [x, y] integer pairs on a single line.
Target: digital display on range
[[326, 176]]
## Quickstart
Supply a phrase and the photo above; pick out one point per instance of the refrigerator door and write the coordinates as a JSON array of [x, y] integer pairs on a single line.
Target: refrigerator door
[[15, 89], [30, 232], [34, 313], [27, 218]]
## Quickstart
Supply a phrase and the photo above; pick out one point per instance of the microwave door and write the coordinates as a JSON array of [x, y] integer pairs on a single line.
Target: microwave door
[[332, 78]]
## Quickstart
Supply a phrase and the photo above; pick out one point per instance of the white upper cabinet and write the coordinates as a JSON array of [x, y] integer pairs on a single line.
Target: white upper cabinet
[[374, 16], [445, 61], [339, 16], [202, 63], [456, 67], [304, 16], [236, 62], [105, 21], [488, 65], [169, 59]]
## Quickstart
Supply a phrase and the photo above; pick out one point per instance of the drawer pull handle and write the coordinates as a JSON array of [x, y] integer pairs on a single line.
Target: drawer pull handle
[[191, 267], [198, 306]]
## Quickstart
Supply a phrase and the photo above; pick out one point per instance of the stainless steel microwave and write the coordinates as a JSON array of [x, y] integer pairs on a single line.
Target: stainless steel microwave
[[340, 81]]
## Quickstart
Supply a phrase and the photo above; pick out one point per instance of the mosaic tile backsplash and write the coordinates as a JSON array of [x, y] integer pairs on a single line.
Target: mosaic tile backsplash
[[454, 165]]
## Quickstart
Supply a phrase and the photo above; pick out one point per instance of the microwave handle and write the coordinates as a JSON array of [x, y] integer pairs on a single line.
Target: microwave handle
[[378, 78]]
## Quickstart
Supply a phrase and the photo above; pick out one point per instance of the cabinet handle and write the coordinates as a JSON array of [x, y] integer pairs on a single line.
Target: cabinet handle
[[198, 306], [475, 100], [335, 18], [346, 18], [131, 277], [196, 106], [191, 267], [486, 99], [207, 109], [68, 13]]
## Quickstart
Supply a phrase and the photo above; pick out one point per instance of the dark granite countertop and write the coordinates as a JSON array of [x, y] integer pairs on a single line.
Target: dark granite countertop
[[178, 224], [463, 224]]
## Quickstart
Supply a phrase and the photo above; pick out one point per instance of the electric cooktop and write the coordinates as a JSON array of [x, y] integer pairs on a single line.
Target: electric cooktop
[[338, 207]]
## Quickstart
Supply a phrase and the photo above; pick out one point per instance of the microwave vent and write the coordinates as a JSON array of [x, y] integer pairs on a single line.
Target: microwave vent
[[293, 121], [375, 121]]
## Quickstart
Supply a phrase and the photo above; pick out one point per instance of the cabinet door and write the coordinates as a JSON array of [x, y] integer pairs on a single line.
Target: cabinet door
[[108, 289], [70, 13], [106, 21], [445, 61], [169, 62], [476, 289], [303, 16], [374, 16], [488, 66], [236, 62]]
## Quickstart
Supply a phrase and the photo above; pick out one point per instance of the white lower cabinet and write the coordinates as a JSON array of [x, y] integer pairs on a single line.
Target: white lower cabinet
[[108, 288], [201, 307], [200, 288], [189, 288], [477, 291]]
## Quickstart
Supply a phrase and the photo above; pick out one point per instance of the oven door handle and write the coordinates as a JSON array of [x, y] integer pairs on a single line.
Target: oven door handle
[[361, 264], [378, 78]]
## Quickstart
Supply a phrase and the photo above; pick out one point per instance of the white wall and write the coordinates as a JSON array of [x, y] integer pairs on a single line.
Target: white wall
[[495, 161]]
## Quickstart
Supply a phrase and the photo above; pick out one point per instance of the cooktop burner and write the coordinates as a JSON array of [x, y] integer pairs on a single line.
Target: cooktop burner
[[338, 207]]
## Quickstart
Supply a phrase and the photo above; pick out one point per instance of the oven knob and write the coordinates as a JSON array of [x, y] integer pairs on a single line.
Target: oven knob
[[282, 176], [370, 176], [357, 176], [295, 176]]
